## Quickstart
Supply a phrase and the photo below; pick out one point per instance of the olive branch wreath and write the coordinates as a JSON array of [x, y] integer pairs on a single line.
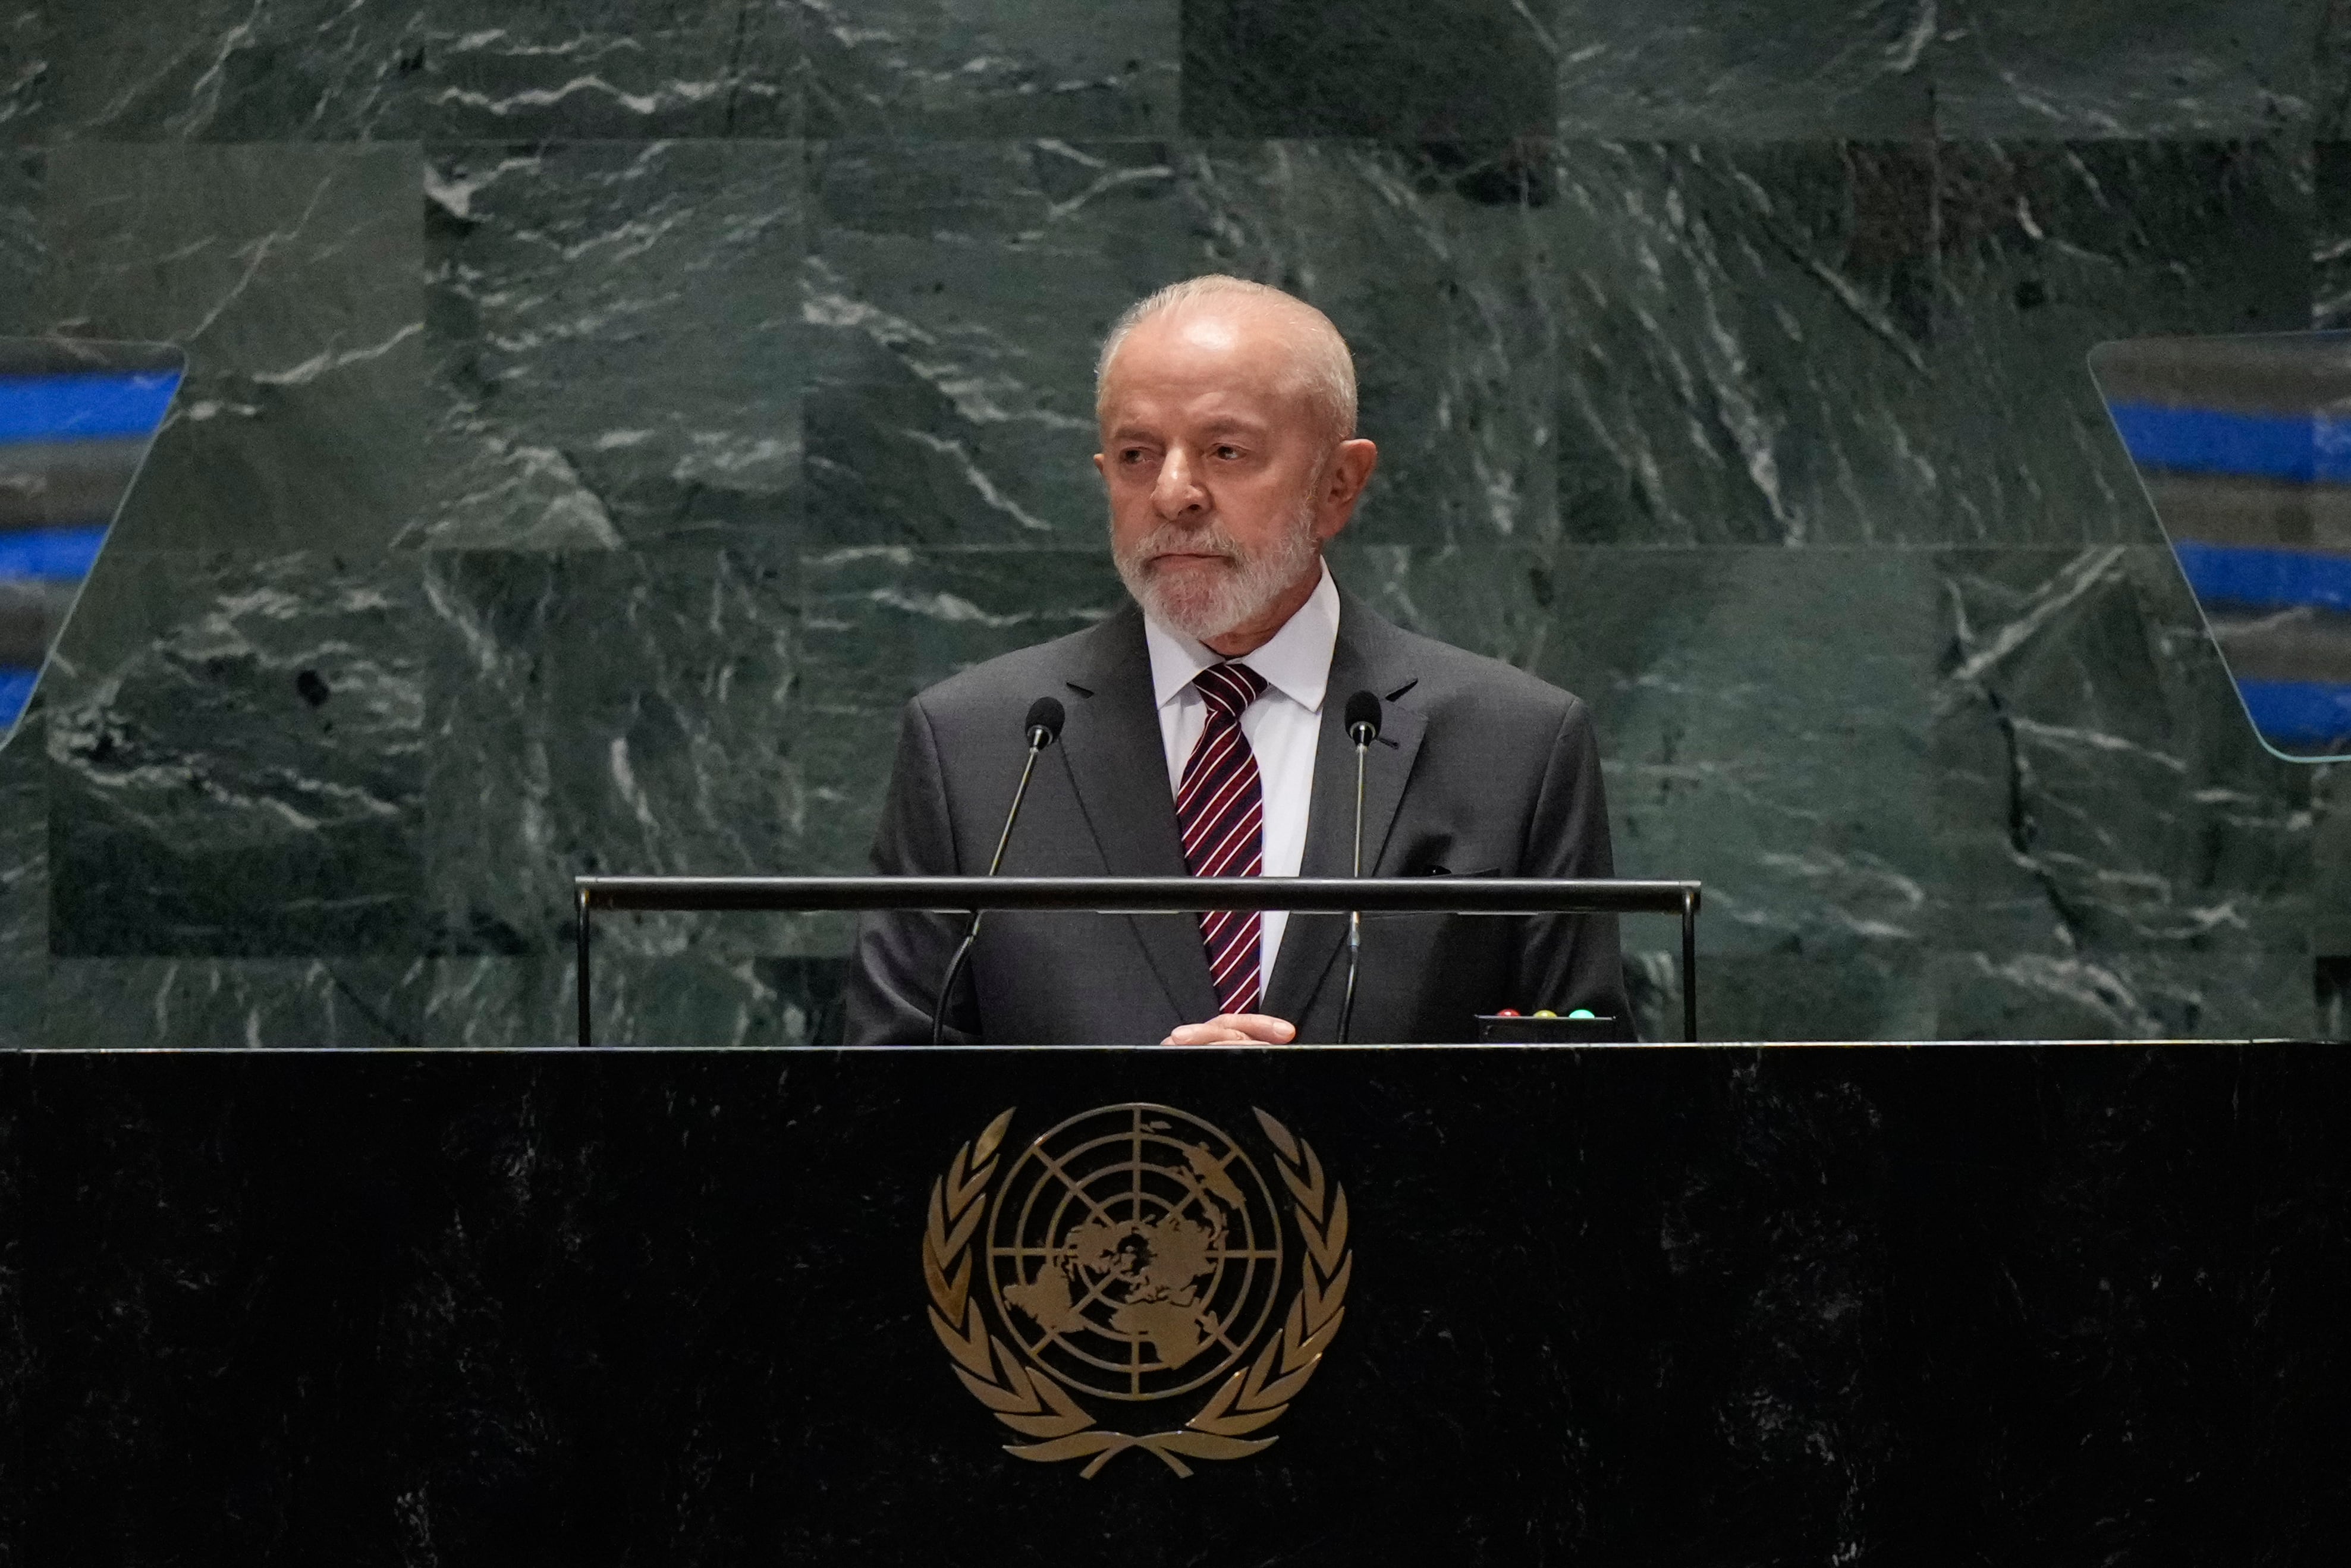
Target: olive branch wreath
[[1035, 1405]]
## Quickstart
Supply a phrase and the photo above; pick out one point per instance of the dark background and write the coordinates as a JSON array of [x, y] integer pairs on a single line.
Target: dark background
[[603, 416], [2064, 1305]]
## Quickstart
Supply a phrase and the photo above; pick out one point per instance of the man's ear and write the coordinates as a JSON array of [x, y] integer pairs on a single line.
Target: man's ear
[[1100, 469], [1349, 470]]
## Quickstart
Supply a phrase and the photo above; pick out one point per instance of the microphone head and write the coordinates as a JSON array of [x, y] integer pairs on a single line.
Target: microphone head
[[1046, 715], [1363, 718]]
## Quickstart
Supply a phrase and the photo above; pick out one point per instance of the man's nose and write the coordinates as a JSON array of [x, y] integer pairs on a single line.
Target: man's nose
[[1179, 493]]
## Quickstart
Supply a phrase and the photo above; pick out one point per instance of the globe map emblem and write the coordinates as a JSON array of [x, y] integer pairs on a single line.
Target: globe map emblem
[[1134, 1251]]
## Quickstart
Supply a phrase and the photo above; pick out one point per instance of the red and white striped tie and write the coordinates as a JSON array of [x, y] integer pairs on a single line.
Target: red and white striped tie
[[1220, 810]]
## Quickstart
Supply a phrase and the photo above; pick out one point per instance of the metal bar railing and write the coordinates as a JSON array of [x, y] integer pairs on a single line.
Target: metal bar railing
[[1142, 895]]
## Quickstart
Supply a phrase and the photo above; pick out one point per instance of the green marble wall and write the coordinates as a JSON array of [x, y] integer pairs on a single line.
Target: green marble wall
[[602, 417]]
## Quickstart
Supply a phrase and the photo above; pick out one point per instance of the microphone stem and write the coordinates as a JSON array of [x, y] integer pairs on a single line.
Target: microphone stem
[[1037, 741], [1036, 744], [1361, 750], [1354, 916]]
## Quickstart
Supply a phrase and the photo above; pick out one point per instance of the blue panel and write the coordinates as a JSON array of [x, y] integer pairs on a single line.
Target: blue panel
[[55, 554], [73, 407], [2300, 713], [15, 691], [2266, 579], [2307, 447]]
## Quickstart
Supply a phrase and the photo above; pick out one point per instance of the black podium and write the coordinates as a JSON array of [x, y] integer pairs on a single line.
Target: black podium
[[2016, 1303]]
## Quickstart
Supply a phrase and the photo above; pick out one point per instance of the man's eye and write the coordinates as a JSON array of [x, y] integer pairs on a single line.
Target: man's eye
[[1229, 453]]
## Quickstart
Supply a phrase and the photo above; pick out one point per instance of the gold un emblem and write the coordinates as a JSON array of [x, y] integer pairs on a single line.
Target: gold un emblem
[[1134, 1255]]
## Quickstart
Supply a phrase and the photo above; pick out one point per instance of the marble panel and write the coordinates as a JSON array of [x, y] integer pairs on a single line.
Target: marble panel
[[1436, 263], [961, 291], [236, 752], [495, 1004], [884, 622], [1880, 993], [2330, 240], [1387, 69], [625, 712], [691, 998], [616, 345], [2123, 855], [2334, 989], [2330, 855], [1745, 70], [957, 293], [23, 256], [2331, 85], [2154, 69], [23, 880], [228, 70], [2047, 250], [1763, 720], [235, 1004], [24, 65], [292, 277], [2248, 994], [992, 67], [1746, 352], [525, 71], [295, 70]]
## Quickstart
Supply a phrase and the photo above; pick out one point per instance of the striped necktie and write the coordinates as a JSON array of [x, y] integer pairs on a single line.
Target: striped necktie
[[1220, 810]]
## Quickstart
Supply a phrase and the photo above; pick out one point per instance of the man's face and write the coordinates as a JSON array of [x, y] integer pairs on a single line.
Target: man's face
[[1221, 473]]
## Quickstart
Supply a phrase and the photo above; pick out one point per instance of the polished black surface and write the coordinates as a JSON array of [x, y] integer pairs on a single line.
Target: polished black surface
[[2043, 1305]]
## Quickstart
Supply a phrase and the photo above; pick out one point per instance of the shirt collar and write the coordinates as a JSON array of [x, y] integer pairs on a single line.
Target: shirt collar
[[1295, 661]]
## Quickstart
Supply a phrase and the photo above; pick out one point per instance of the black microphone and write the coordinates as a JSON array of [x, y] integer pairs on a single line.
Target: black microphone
[[1043, 726], [1362, 727]]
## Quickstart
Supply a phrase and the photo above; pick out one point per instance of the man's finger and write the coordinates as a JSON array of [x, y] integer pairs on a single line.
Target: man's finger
[[1235, 1029], [1216, 1031]]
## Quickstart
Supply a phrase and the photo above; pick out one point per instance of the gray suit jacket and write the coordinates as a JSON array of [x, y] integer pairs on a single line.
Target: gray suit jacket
[[1481, 770]]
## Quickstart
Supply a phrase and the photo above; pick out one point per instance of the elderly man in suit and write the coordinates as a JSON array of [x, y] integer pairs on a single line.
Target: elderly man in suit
[[1205, 736]]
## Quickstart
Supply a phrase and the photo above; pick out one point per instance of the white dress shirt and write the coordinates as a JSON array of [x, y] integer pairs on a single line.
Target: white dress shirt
[[1281, 726]]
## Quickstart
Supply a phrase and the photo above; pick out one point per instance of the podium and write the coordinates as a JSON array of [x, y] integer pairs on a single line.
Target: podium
[[973, 896], [1607, 1304]]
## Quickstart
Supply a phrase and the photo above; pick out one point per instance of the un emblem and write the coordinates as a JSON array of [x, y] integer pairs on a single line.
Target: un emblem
[[1135, 1254]]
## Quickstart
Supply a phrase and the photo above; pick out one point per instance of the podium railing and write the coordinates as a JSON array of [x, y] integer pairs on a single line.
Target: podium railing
[[1142, 896]]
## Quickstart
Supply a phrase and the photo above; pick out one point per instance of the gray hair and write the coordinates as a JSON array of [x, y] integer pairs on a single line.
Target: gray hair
[[1327, 368]]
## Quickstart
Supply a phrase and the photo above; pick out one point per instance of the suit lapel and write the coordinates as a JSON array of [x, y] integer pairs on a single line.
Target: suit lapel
[[1118, 770], [1368, 657]]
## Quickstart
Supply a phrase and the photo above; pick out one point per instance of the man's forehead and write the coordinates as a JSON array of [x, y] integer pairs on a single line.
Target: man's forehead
[[1206, 365], [1217, 327], [1211, 412]]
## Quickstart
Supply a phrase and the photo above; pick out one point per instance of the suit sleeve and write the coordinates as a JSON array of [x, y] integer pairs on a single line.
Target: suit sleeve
[[1573, 960], [900, 956]]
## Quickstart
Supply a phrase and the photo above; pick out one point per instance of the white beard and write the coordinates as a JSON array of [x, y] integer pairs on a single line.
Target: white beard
[[1204, 611]]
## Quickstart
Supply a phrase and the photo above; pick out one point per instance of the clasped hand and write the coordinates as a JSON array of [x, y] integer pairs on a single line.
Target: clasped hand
[[1235, 1029]]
